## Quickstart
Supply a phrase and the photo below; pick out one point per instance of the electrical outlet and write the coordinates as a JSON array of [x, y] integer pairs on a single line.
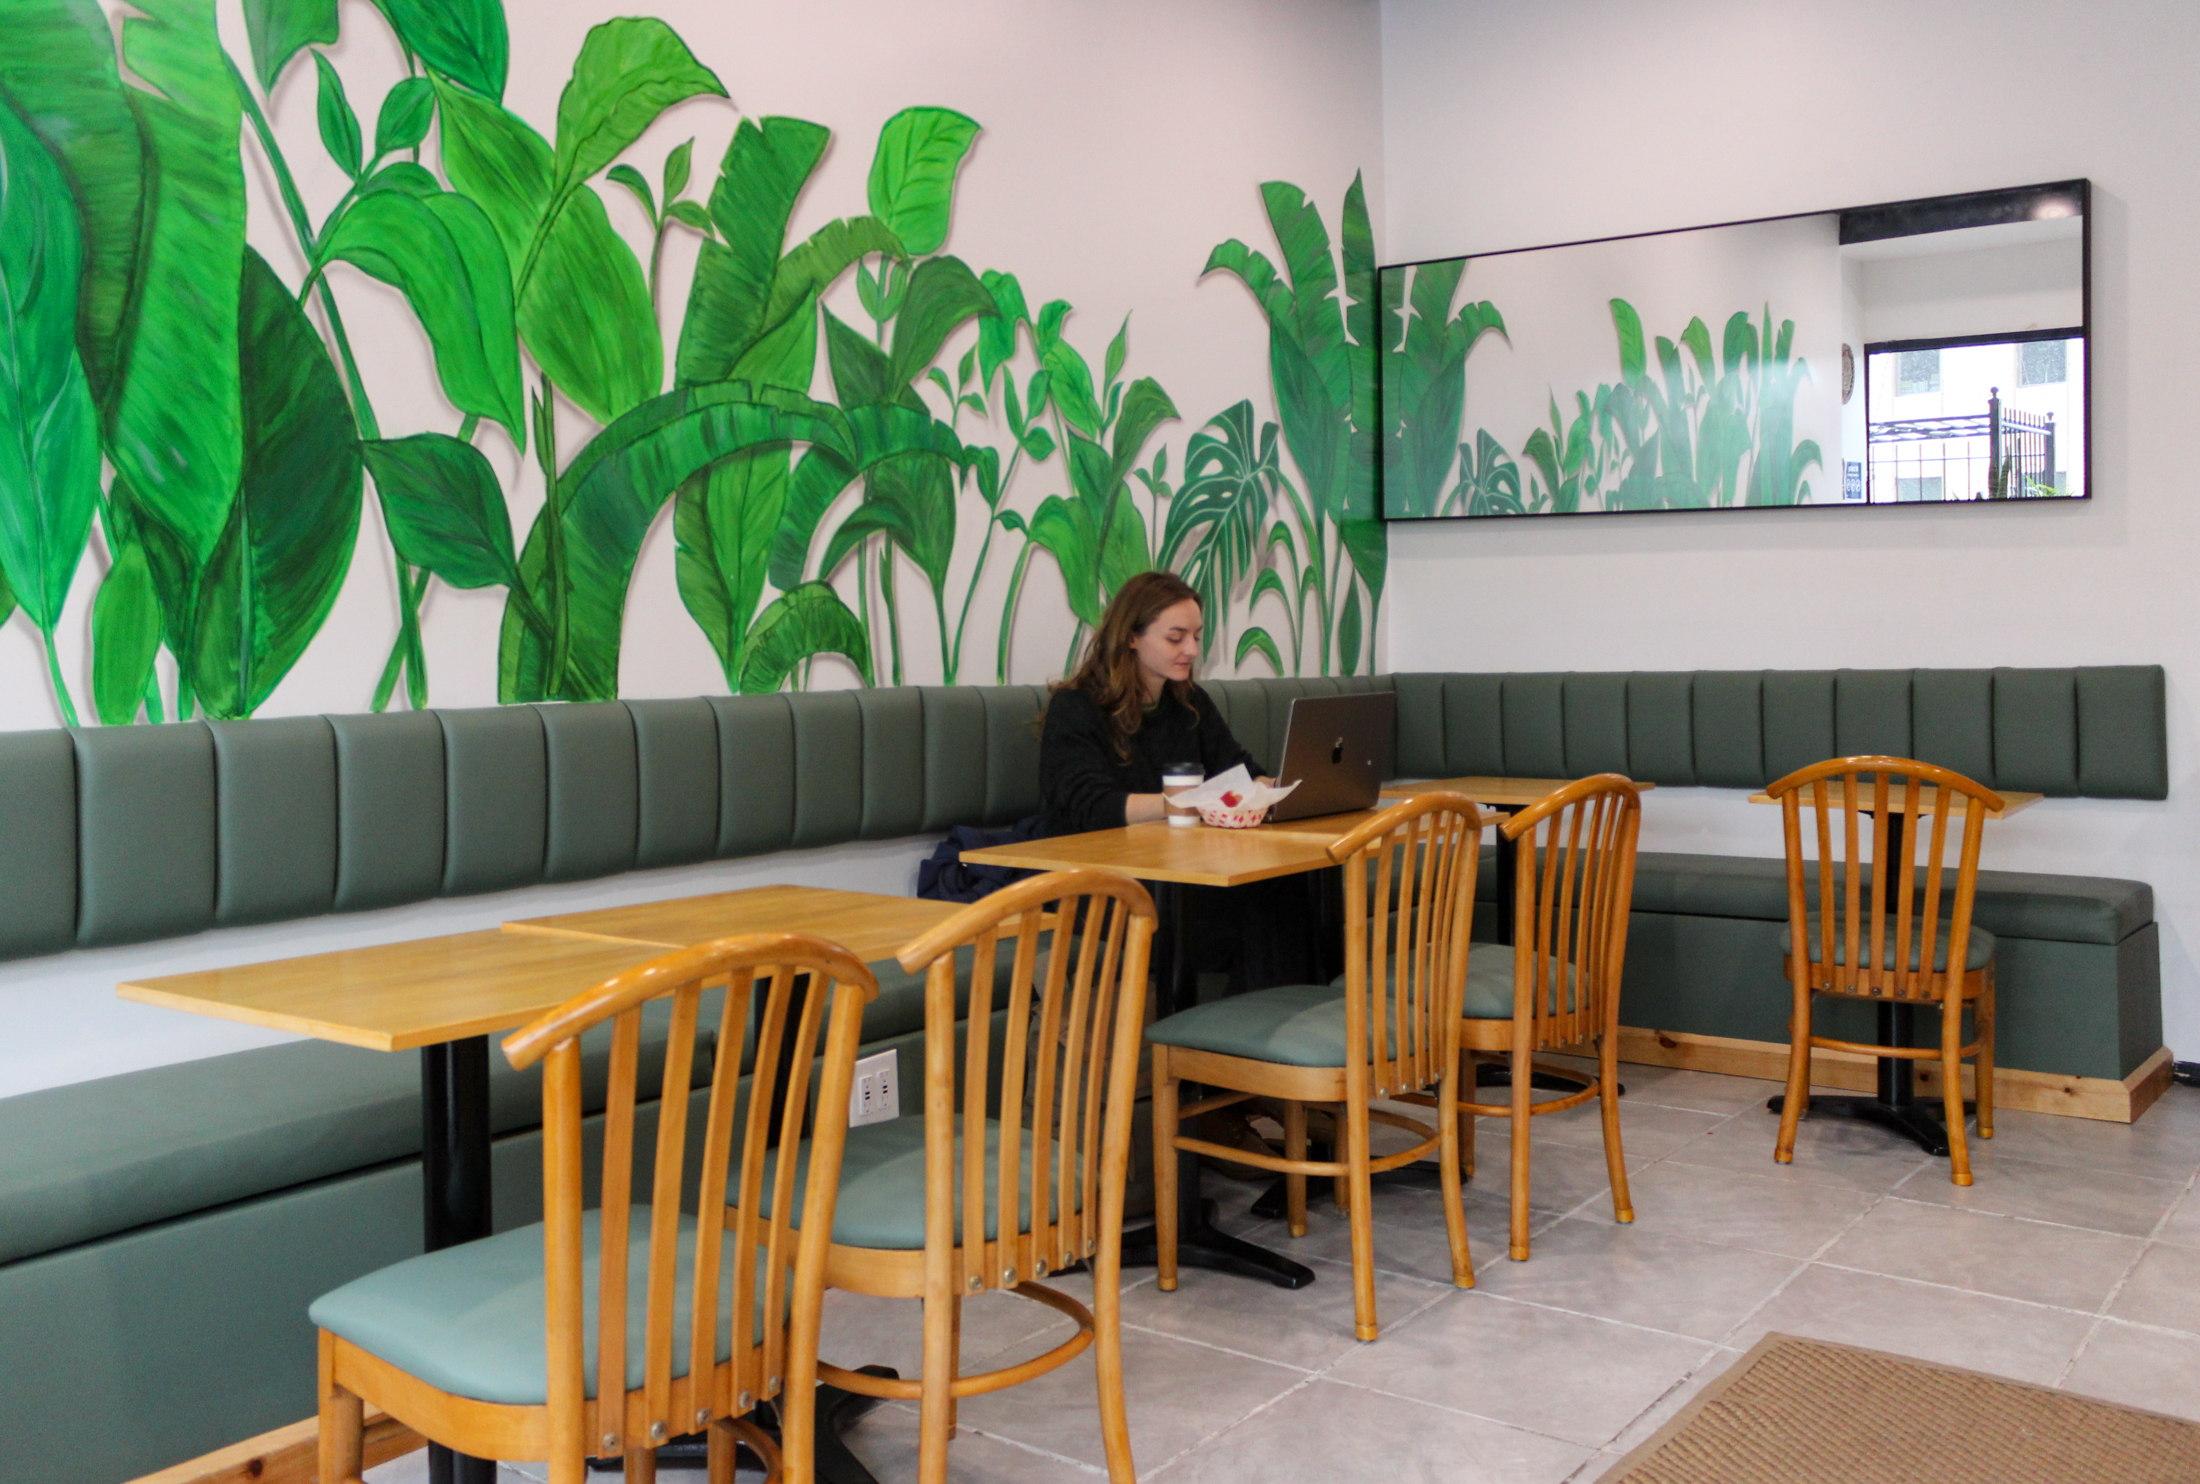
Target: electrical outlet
[[876, 1096]]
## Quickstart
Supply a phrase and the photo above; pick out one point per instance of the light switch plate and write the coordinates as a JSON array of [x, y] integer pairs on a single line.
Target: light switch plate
[[876, 1096]]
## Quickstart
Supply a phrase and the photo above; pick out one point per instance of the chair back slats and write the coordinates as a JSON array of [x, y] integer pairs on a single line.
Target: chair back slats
[[1866, 941], [1405, 967], [1574, 889], [1058, 1086], [804, 984]]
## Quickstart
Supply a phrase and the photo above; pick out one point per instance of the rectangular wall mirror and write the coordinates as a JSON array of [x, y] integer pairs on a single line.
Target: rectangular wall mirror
[[1928, 351]]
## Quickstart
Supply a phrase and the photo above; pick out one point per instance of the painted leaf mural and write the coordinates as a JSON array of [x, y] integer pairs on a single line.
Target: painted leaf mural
[[288, 544], [57, 67], [862, 423], [49, 442]]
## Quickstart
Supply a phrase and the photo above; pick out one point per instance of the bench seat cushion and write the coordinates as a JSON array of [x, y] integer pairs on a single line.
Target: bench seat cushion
[[99, 1157], [2010, 904]]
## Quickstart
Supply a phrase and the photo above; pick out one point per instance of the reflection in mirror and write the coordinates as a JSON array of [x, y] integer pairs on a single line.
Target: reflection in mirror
[[1915, 352]]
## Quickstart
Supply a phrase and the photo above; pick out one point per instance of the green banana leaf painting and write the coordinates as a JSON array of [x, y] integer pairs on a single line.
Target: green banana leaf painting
[[855, 431]]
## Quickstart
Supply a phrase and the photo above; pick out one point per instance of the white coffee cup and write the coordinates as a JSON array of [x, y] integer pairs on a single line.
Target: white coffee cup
[[1180, 778]]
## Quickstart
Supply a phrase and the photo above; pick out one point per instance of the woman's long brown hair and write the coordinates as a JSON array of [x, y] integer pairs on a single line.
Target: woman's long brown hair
[[1109, 671]]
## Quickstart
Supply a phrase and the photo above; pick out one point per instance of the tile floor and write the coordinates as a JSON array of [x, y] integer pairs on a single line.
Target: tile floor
[[2074, 1262]]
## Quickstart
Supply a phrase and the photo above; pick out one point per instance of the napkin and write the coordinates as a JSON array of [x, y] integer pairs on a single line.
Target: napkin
[[1237, 781]]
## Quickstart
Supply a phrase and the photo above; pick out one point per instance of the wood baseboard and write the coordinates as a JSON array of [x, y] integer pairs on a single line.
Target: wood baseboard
[[2112, 1101], [285, 1456]]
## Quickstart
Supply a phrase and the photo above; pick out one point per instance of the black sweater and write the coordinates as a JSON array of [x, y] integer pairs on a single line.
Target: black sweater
[[1084, 782]]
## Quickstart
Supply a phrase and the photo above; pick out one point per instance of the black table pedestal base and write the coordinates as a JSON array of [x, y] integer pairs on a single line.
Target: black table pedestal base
[[1919, 1122], [836, 1410], [1201, 1244]]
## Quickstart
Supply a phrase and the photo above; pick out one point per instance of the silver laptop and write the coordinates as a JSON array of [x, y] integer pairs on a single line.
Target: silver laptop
[[1336, 749]]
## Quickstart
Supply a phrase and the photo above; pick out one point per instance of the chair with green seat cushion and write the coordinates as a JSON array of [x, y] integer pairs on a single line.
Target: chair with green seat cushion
[[1558, 984], [1387, 1029], [1043, 1082], [495, 1348], [1862, 811], [882, 1173], [1977, 955], [470, 1320]]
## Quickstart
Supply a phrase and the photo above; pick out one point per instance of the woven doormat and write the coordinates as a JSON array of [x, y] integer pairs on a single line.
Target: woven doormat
[[1803, 1412]]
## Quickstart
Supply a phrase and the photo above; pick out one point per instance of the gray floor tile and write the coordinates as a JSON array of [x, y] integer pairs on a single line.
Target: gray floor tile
[[1704, 1092], [2100, 1200], [1995, 1335], [1828, 1151], [1562, 1375], [1179, 1394], [2140, 1368], [1560, 1176], [1792, 1218], [2164, 1289], [1988, 1253], [1308, 1327], [1409, 1232], [886, 1442], [1646, 1130], [1641, 1277], [1326, 1432], [2182, 1225], [2161, 1145]]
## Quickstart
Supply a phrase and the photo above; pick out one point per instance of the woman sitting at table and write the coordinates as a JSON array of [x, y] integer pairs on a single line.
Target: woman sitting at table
[[1130, 711]]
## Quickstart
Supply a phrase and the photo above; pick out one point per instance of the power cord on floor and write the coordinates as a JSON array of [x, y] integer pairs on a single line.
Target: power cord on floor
[[2187, 1072]]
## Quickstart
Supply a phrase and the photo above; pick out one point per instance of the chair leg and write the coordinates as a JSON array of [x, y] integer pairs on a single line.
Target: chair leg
[[1164, 1171], [726, 1433], [1951, 1083], [954, 1411], [1448, 1120], [1798, 1088], [1340, 1185], [1357, 1159], [342, 1448], [641, 1466], [1523, 1088], [1983, 1019], [1294, 1184], [936, 1405], [1107, 1345], [1615, 1162], [1467, 1094]]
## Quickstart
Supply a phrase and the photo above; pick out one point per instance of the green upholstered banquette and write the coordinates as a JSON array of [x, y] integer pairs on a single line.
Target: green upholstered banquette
[[162, 1231]]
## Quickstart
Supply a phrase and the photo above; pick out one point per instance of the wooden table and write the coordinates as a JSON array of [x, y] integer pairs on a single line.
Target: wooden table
[[1502, 793], [2012, 801], [446, 996], [868, 925], [441, 995]]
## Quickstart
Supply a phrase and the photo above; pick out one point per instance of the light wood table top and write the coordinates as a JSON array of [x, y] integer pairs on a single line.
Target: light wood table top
[[1509, 793], [396, 996], [1198, 856], [868, 924], [2011, 801]]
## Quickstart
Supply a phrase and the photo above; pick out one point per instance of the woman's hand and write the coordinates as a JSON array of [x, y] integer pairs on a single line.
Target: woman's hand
[[1144, 808]]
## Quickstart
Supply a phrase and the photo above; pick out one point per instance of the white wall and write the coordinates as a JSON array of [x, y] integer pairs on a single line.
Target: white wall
[[1509, 126], [1122, 143]]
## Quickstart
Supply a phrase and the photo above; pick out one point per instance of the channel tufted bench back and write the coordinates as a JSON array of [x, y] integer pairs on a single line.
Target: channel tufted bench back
[[124, 834]]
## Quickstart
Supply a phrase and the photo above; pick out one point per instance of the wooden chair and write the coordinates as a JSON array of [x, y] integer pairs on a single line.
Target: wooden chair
[[1390, 1028], [1876, 935], [1049, 1111], [494, 1347], [1558, 986]]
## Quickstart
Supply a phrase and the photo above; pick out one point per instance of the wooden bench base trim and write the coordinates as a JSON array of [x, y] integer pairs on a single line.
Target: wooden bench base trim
[[285, 1456], [2112, 1101]]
